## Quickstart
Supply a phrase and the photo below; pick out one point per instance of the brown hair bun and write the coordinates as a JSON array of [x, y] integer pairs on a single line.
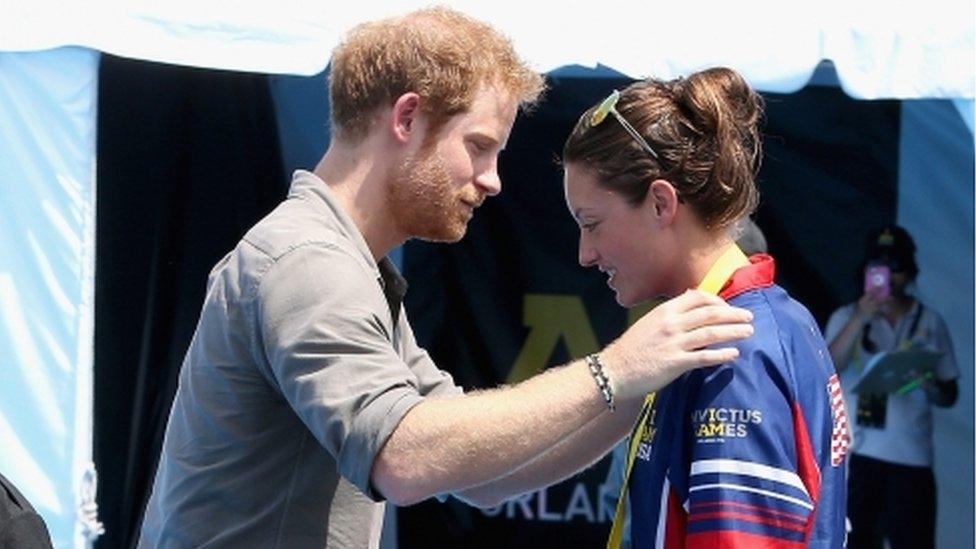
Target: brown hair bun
[[705, 131]]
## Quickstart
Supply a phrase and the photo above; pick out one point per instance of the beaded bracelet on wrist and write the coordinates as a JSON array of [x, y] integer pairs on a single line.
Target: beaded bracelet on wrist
[[602, 381]]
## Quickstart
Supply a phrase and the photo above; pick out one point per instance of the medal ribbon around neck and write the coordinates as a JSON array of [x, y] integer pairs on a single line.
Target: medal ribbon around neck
[[715, 279]]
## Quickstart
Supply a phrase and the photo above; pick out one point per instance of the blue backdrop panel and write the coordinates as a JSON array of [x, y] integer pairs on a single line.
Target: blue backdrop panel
[[935, 203], [46, 278]]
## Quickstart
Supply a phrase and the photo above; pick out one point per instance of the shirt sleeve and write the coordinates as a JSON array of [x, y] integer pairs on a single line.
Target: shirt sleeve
[[849, 376], [325, 329], [431, 380], [753, 479], [947, 368], [26, 531], [836, 322]]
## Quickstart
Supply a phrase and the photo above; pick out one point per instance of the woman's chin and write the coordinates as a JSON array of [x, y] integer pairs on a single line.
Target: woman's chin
[[648, 301], [629, 300], [621, 296]]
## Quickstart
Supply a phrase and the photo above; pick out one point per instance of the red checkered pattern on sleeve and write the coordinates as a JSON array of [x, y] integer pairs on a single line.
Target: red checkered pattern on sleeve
[[840, 439]]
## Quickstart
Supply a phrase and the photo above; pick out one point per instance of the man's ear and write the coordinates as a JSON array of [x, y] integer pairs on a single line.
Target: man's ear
[[405, 117], [662, 201]]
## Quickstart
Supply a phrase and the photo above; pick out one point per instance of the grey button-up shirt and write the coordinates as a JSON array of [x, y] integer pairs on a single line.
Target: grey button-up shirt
[[301, 366]]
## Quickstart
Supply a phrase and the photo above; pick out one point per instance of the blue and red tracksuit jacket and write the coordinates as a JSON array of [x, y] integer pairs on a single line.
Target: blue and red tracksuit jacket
[[749, 453]]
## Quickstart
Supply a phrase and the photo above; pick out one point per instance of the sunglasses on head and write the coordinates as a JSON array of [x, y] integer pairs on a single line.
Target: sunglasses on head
[[609, 106]]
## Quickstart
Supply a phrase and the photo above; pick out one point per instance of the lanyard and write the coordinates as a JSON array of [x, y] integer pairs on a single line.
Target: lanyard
[[716, 278], [904, 343]]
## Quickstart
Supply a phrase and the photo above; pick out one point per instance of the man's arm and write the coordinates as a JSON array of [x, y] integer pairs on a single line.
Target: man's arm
[[579, 451], [451, 444]]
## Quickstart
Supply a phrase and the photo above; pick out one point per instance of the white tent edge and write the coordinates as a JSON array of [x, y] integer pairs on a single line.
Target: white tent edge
[[881, 50]]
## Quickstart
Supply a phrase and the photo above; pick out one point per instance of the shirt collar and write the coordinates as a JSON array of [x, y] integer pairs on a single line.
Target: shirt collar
[[758, 274], [393, 284], [307, 186]]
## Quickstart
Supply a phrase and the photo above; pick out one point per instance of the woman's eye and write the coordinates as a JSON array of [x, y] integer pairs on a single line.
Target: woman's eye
[[589, 227]]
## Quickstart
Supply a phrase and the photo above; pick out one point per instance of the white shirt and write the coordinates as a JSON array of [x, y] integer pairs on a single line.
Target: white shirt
[[906, 437]]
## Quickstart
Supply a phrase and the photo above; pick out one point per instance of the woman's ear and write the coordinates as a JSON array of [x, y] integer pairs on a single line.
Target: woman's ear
[[662, 200]]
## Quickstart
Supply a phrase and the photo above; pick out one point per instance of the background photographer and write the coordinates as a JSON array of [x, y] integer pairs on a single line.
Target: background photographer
[[892, 487]]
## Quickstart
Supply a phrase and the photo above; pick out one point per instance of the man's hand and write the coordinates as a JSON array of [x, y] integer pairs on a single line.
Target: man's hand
[[672, 339]]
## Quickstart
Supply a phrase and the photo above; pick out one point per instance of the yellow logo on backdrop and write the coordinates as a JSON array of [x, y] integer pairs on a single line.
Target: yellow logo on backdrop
[[550, 317]]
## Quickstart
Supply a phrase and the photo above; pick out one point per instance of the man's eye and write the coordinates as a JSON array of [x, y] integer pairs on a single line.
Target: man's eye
[[481, 146], [588, 227]]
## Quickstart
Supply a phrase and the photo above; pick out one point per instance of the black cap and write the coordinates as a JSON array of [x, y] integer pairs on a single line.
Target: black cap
[[893, 246]]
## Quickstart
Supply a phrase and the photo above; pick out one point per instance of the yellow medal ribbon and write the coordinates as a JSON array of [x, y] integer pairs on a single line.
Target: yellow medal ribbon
[[718, 275]]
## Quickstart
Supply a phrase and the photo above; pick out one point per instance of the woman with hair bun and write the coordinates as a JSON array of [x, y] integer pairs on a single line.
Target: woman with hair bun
[[749, 453]]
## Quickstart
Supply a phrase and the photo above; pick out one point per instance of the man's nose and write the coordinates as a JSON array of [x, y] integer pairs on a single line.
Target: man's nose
[[489, 182]]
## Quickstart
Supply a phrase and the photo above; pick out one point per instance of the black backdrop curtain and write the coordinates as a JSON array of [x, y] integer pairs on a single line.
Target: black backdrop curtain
[[510, 299], [187, 161]]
